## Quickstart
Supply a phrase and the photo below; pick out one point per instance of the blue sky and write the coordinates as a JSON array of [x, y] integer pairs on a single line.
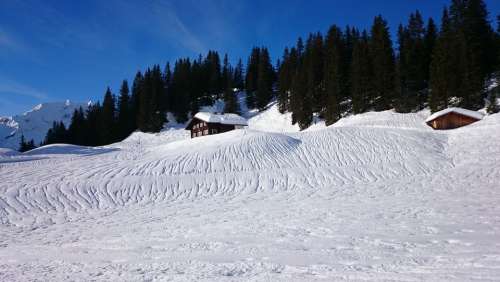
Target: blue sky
[[57, 50]]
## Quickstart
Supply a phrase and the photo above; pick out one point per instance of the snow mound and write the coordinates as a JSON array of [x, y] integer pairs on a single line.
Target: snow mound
[[386, 119], [66, 149], [6, 152]]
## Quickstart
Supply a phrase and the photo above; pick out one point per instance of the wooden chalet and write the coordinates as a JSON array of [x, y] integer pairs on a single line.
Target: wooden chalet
[[453, 118], [204, 123]]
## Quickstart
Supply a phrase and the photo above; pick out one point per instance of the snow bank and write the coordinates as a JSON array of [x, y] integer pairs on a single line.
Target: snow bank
[[6, 152], [227, 118]]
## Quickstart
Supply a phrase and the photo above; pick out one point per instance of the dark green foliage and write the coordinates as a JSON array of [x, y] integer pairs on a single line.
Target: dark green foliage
[[26, 146], [181, 89], [259, 79], [335, 75], [431, 35], [361, 75], [107, 120], [56, 134], [383, 63], [313, 64], [77, 129], [285, 71], [265, 79], [238, 80], [463, 59], [231, 103], [251, 79], [412, 68], [442, 67], [126, 121]]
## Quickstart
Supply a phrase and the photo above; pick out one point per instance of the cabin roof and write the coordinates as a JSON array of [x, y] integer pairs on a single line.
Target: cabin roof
[[461, 111], [230, 119]]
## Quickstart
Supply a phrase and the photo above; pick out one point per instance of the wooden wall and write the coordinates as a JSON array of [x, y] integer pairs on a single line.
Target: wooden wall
[[201, 128]]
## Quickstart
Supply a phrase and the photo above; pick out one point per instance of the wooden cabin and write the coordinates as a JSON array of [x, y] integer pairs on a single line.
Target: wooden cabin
[[451, 118], [204, 123]]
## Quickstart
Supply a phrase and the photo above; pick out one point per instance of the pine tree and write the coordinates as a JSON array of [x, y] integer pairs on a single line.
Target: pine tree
[[383, 64], [251, 79], [107, 129], [226, 72], [429, 43], [231, 103], [181, 89], [313, 64], [334, 74], [473, 51], [284, 82], [158, 114], [167, 86], [26, 146], [238, 76], [56, 134], [498, 47], [361, 73], [214, 73], [144, 109], [300, 101], [92, 127], [135, 98], [76, 130], [264, 92], [22, 144], [125, 119], [442, 67]]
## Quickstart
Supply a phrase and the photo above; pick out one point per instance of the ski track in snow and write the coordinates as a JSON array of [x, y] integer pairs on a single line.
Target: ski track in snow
[[378, 196]]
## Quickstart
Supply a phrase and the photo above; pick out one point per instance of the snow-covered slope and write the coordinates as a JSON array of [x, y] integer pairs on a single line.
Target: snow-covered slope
[[378, 196], [35, 123]]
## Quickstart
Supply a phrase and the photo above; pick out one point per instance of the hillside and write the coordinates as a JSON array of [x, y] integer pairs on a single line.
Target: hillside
[[35, 123], [377, 196]]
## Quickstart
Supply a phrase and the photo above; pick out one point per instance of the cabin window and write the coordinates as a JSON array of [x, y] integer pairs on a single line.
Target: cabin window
[[214, 131], [205, 132]]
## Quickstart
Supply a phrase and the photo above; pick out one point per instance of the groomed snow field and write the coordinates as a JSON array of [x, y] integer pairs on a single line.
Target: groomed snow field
[[378, 196]]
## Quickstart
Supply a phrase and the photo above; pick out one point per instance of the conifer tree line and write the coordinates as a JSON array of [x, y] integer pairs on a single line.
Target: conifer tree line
[[182, 90], [345, 71], [350, 71]]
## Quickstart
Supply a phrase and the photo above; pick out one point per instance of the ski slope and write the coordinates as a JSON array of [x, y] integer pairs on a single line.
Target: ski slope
[[377, 196]]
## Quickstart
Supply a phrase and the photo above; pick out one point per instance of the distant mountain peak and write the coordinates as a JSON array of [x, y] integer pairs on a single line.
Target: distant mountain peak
[[35, 123]]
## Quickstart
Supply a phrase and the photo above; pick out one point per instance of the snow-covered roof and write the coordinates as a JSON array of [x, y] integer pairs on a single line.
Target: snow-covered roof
[[465, 112], [233, 119]]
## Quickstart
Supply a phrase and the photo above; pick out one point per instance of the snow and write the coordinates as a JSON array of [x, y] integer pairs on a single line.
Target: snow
[[377, 196], [35, 123], [465, 112], [226, 118], [6, 152]]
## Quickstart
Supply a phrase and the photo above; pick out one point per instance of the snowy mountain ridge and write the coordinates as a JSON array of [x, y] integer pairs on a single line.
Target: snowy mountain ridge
[[35, 123]]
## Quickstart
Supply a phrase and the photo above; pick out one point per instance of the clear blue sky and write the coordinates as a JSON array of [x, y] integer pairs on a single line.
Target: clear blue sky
[[57, 50]]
